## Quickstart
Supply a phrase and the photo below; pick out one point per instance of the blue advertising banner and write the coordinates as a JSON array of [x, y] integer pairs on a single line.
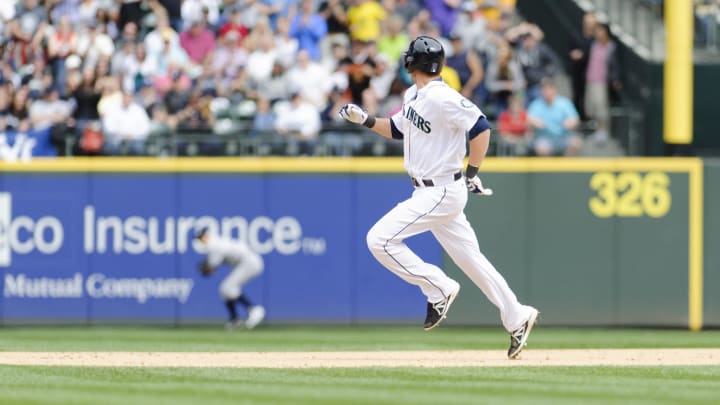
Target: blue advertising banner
[[94, 246], [25, 146]]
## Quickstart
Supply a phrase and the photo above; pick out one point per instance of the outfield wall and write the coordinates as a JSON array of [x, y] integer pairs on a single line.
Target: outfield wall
[[590, 242]]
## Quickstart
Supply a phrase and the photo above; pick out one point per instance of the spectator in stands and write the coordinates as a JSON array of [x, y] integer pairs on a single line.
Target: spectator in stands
[[405, 9], [276, 88], [5, 103], [234, 23], [37, 77], [536, 59], [61, 44], [198, 114], [504, 77], [18, 117], [198, 41], [310, 79], [155, 39], [393, 41], [335, 14], [513, 128], [360, 66], [300, 122], [553, 118], [451, 78], [229, 59], [364, 19], [27, 32], [470, 26], [337, 65], [129, 34], [143, 68], [125, 126], [123, 62], [261, 60], [49, 111], [148, 99], [171, 55], [86, 98], [7, 13], [52, 114], [192, 9], [603, 74], [309, 28], [177, 100], [579, 55], [94, 44], [468, 66], [173, 9], [444, 13], [286, 46], [130, 13], [86, 12], [111, 94], [264, 120]]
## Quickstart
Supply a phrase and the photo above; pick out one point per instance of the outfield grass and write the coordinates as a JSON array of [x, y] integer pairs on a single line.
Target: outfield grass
[[335, 338], [517, 385], [557, 385]]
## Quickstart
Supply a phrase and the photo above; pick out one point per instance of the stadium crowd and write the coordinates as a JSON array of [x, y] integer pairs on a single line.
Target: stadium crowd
[[107, 75]]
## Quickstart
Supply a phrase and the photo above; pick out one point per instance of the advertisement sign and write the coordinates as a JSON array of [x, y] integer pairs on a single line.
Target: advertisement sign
[[24, 146], [92, 247]]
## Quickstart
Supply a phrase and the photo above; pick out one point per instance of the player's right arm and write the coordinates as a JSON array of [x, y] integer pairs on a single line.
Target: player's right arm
[[382, 126]]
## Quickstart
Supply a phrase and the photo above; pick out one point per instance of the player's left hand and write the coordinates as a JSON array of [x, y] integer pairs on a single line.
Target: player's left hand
[[353, 113], [475, 186]]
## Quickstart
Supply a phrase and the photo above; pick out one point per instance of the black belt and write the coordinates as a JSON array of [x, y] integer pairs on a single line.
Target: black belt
[[430, 183]]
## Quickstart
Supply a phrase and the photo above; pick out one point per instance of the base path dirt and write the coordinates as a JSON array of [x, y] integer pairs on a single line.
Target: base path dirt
[[460, 358]]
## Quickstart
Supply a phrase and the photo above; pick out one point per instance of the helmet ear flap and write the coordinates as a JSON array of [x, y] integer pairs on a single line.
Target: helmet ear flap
[[408, 60]]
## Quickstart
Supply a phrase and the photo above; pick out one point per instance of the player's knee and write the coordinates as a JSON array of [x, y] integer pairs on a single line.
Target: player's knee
[[256, 266], [374, 241], [228, 292]]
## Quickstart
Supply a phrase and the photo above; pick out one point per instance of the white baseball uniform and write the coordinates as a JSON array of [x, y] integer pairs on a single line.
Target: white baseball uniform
[[245, 264], [434, 124]]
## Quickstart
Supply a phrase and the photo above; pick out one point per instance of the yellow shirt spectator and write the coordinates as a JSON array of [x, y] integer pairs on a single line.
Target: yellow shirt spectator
[[493, 13], [393, 47], [364, 20], [451, 78]]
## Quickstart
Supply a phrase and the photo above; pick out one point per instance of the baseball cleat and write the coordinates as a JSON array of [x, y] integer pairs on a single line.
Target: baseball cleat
[[255, 316], [519, 337], [234, 324], [438, 311]]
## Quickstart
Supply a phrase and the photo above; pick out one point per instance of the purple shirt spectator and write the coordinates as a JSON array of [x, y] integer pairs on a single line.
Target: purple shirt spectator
[[198, 42], [444, 13], [66, 8], [309, 28], [597, 71]]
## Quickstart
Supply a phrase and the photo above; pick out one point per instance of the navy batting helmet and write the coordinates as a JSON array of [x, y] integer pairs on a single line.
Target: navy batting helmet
[[425, 54]]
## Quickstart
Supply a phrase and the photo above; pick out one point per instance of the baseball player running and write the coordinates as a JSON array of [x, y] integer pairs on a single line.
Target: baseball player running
[[435, 124], [245, 265]]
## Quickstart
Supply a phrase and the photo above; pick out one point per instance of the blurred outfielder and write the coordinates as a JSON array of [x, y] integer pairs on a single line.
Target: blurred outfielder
[[245, 265], [435, 123]]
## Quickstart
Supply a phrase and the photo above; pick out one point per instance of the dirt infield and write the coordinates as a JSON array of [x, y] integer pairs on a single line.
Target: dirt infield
[[605, 357]]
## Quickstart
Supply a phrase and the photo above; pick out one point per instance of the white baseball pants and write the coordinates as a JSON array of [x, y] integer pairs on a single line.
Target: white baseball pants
[[440, 210], [232, 284]]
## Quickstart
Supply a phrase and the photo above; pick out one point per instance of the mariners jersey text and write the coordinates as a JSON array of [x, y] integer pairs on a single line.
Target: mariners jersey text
[[417, 120]]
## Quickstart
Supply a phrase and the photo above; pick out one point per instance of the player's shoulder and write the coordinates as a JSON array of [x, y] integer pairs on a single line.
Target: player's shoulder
[[410, 93], [451, 98], [443, 93]]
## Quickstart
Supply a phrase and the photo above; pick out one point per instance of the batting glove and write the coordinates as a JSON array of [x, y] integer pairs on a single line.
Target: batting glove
[[353, 113], [474, 184]]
